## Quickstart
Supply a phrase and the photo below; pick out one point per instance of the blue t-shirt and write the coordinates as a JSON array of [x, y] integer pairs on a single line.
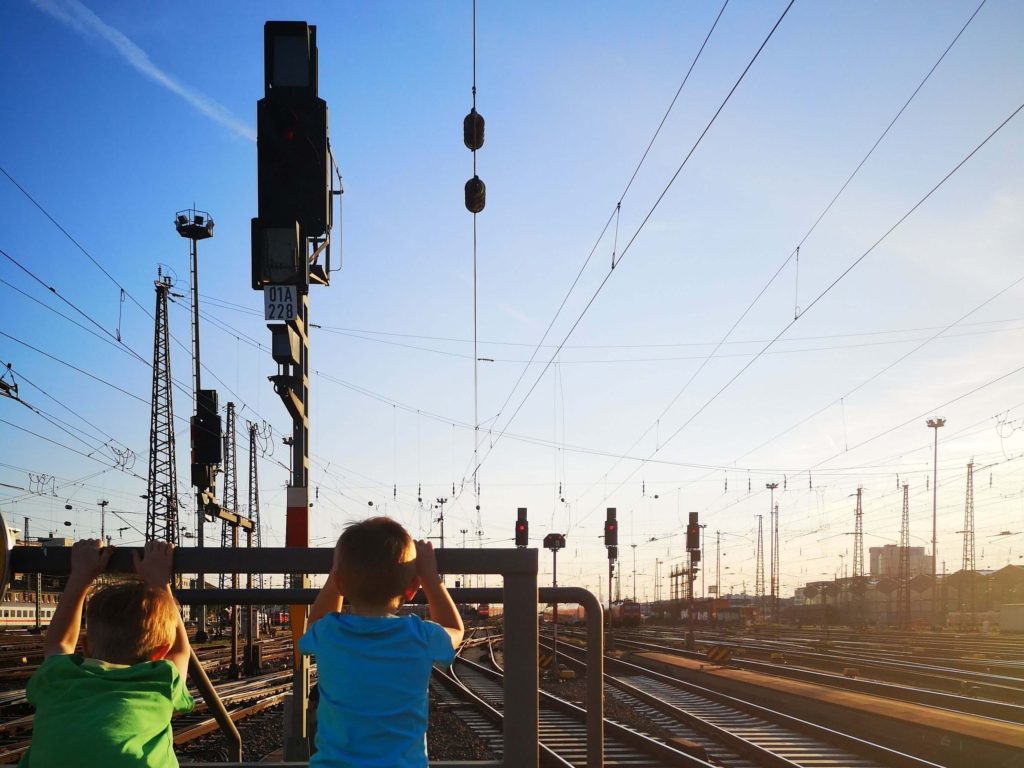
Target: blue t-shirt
[[373, 677]]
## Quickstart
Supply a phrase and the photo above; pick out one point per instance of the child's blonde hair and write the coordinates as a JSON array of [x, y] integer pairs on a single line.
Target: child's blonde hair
[[371, 559], [129, 621]]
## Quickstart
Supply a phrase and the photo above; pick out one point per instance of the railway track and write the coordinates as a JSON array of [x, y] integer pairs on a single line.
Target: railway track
[[982, 694], [473, 692], [955, 702], [1002, 657], [734, 732]]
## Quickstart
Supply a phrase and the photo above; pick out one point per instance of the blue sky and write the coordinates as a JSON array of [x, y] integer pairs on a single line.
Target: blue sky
[[118, 117]]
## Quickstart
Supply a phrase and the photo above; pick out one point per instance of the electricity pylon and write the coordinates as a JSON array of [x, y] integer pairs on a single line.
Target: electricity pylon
[[254, 494], [859, 584], [968, 560], [162, 486], [903, 593], [228, 532]]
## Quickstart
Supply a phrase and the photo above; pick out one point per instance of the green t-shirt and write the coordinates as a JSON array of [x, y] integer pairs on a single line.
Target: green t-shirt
[[96, 714]]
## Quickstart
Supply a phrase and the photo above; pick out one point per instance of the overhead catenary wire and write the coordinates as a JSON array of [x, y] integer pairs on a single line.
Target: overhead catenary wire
[[829, 288], [612, 216], [796, 251], [639, 229], [360, 333]]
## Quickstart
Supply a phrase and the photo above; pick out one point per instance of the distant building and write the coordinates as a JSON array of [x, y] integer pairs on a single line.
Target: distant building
[[885, 562]]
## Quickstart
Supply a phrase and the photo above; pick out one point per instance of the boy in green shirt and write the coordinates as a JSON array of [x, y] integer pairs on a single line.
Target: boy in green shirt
[[111, 707]]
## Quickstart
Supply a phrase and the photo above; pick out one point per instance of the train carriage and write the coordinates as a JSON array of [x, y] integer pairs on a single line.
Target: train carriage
[[18, 610]]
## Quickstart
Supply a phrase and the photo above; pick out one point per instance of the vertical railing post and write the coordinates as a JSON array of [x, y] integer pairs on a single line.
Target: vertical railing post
[[521, 671], [595, 683]]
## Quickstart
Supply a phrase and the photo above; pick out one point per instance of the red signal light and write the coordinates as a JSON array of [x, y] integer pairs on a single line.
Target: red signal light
[[289, 134], [522, 526]]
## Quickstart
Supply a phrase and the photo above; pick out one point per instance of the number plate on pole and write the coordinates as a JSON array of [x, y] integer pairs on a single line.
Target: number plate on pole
[[280, 303]]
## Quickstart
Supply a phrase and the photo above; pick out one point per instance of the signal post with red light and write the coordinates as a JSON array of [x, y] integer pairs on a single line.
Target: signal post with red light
[[522, 529]]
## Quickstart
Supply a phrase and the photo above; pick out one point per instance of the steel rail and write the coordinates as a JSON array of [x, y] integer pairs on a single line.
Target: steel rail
[[853, 744], [997, 710], [563, 727]]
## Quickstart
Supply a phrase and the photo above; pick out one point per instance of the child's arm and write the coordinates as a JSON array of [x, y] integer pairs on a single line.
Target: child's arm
[[155, 568], [442, 607], [88, 560], [328, 601]]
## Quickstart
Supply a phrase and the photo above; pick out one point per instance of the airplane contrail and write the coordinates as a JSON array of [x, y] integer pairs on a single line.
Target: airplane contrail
[[78, 17]]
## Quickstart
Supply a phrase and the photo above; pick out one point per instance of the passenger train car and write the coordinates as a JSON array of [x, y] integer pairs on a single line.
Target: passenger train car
[[18, 609], [714, 612]]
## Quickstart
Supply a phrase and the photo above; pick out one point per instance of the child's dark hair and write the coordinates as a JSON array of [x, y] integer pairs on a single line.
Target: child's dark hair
[[129, 620], [372, 562]]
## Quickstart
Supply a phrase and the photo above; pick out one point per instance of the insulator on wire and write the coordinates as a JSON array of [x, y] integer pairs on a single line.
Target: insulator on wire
[[473, 130], [476, 195]]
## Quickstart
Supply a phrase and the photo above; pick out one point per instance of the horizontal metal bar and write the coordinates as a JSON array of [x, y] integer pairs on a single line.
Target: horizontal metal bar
[[433, 764], [494, 595], [56, 561]]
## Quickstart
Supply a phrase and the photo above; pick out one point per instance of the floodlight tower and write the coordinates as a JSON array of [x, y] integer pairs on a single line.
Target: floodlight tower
[[195, 225]]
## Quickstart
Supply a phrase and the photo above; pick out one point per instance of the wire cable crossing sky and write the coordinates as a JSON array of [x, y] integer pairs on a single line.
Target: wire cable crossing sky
[[723, 246]]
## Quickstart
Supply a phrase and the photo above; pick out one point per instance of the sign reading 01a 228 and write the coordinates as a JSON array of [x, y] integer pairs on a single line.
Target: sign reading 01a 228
[[280, 303]]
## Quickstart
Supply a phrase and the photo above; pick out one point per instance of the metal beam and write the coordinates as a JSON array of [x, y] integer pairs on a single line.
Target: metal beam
[[56, 561]]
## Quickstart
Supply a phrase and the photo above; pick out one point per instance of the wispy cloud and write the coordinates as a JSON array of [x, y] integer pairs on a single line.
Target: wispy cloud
[[75, 15]]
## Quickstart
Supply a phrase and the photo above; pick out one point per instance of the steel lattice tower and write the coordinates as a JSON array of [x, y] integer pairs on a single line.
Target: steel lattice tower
[[759, 574], [162, 488], [859, 582], [903, 593], [254, 494], [968, 560], [858, 538], [230, 483]]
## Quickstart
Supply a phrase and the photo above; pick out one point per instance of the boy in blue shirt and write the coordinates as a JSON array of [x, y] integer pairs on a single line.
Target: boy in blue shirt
[[112, 706], [373, 666]]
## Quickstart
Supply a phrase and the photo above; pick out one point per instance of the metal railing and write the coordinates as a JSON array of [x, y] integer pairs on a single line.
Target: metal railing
[[519, 595]]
